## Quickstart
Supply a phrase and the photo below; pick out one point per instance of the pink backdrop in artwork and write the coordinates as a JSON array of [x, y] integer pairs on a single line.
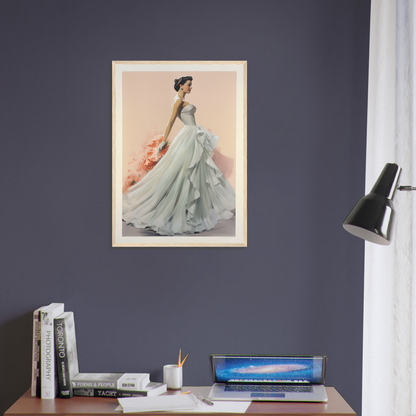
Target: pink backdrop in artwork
[[147, 100]]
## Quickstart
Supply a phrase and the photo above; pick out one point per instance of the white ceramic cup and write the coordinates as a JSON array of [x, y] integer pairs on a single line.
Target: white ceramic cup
[[172, 376]]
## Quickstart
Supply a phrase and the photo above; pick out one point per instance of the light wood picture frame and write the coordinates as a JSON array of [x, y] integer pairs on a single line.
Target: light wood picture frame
[[142, 96]]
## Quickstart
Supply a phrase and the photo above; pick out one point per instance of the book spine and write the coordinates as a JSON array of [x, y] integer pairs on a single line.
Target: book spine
[[93, 384], [62, 362], [107, 393], [48, 371], [48, 357], [35, 386]]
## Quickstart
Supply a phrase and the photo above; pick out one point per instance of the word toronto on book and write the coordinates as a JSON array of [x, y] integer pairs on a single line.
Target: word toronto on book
[[55, 369]]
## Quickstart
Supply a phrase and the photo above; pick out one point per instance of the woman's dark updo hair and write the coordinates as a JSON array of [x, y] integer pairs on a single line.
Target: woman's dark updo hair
[[181, 81]]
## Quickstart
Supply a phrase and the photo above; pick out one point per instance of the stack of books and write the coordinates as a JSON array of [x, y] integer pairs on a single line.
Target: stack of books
[[55, 370]]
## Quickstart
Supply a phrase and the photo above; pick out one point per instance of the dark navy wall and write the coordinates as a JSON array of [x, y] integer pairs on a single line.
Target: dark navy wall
[[298, 286]]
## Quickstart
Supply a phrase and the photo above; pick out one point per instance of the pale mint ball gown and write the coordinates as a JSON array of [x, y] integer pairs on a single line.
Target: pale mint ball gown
[[185, 192]]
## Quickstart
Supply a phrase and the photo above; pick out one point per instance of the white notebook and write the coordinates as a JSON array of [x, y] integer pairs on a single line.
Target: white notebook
[[159, 403]]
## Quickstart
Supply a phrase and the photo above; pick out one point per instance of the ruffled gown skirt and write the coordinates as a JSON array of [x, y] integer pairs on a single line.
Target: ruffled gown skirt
[[185, 192]]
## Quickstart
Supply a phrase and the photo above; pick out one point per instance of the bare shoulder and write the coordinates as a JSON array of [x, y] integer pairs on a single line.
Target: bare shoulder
[[177, 102]]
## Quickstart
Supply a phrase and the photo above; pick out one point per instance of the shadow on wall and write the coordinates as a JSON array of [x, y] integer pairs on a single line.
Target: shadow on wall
[[15, 361]]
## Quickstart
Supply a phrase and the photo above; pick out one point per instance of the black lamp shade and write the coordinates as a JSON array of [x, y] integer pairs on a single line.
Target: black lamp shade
[[372, 217]]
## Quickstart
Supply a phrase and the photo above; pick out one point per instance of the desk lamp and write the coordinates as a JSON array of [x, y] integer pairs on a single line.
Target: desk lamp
[[372, 217]]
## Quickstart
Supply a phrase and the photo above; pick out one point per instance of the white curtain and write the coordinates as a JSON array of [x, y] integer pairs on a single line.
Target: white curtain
[[389, 348]]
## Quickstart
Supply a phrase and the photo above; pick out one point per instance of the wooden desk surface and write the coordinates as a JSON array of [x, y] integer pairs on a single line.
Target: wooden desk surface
[[89, 406]]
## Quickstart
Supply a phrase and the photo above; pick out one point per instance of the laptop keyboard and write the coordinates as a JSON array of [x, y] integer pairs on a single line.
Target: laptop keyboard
[[269, 388]]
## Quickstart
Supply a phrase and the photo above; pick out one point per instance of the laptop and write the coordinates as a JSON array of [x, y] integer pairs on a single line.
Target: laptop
[[290, 378]]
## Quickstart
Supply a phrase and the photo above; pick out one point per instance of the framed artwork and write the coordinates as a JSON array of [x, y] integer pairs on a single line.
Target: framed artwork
[[179, 154]]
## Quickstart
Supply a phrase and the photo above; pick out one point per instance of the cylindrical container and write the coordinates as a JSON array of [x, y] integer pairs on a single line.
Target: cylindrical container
[[172, 376]]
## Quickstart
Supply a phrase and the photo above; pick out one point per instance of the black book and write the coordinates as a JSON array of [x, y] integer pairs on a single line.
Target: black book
[[65, 353]]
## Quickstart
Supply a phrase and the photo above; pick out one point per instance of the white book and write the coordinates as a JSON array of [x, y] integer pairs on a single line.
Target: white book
[[47, 346], [152, 389], [122, 381]]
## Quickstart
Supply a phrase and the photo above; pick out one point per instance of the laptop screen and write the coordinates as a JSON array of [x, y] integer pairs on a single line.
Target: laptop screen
[[268, 369]]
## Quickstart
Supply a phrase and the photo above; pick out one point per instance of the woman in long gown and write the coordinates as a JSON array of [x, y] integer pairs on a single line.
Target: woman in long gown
[[185, 192]]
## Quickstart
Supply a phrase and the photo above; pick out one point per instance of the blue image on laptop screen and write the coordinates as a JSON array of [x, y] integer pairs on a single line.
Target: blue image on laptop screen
[[241, 369]]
